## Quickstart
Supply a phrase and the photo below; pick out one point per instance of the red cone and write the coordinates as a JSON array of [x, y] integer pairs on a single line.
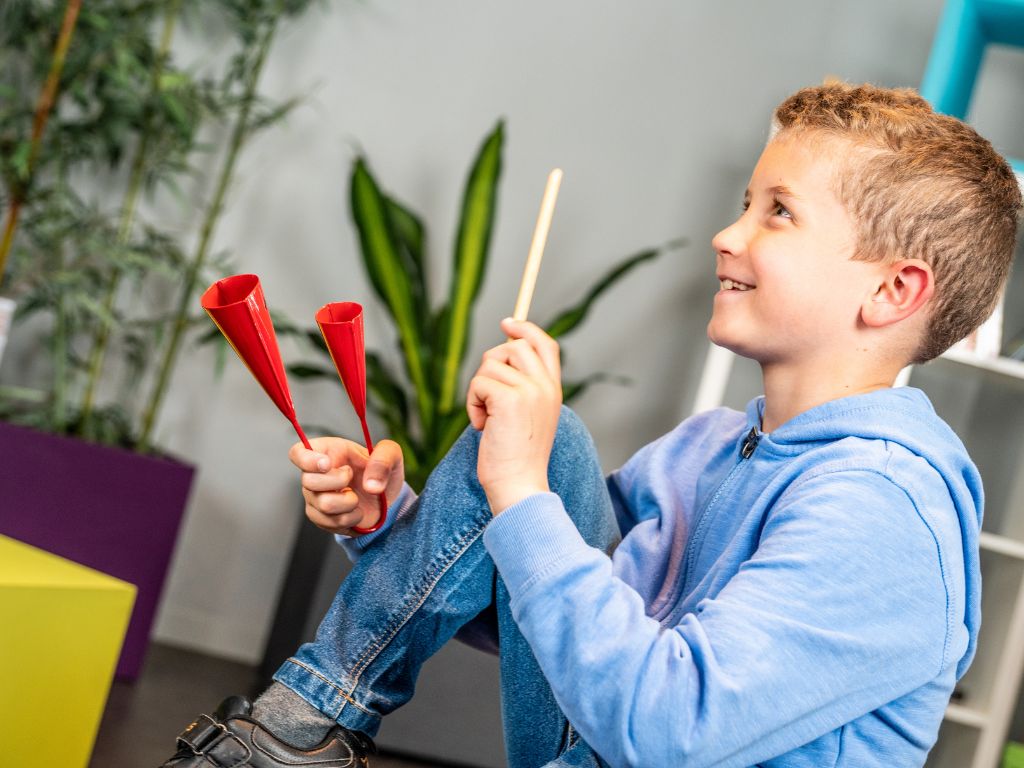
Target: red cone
[[341, 324], [237, 306]]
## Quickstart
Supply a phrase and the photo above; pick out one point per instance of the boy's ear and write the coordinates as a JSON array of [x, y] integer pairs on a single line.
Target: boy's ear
[[906, 285]]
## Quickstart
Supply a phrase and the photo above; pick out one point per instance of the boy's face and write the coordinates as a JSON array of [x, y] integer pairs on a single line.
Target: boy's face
[[800, 294]]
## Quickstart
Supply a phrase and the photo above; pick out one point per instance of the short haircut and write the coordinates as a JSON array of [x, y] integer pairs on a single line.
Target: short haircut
[[923, 185]]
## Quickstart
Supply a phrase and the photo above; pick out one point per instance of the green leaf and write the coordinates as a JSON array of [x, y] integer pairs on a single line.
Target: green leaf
[[573, 389], [388, 397], [210, 336], [409, 234], [470, 261], [19, 160], [220, 359], [272, 115], [307, 371], [317, 340], [453, 425], [23, 393], [572, 317], [93, 307], [409, 229], [388, 401], [283, 325], [383, 263]]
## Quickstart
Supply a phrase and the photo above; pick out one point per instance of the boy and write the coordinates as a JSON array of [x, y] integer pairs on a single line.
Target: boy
[[797, 585]]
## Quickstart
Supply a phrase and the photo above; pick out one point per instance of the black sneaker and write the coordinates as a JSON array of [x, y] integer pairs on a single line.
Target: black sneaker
[[232, 739]]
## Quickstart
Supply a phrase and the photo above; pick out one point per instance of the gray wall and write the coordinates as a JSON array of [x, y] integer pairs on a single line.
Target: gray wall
[[656, 111]]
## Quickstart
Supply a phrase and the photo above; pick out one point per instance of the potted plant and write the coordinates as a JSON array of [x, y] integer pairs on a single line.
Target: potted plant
[[116, 118], [422, 408]]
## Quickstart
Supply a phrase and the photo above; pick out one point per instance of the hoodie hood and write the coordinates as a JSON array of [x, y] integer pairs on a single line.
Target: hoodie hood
[[904, 416]]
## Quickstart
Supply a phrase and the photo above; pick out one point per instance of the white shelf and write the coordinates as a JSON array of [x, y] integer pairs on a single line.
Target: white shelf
[[1001, 545], [956, 746], [1004, 366], [958, 713]]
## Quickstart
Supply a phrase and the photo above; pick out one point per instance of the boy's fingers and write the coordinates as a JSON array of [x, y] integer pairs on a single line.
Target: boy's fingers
[[481, 397], [341, 523], [332, 503], [327, 452], [385, 459], [307, 460], [523, 358], [335, 480], [545, 346], [500, 370]]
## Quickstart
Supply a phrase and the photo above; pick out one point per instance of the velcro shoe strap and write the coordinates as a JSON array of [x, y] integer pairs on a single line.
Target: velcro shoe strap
[[213, 741]]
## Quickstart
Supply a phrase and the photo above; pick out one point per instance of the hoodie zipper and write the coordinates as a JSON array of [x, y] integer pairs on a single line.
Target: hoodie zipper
[[696, 542], [750, 443]]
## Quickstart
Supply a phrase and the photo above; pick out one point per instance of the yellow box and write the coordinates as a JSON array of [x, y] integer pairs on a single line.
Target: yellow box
[[61, 629]]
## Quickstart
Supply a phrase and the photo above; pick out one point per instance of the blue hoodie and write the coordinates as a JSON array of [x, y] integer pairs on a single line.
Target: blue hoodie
[[806, 597]]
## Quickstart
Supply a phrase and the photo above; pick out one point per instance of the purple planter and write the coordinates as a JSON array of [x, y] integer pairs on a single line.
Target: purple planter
[[107, 508]]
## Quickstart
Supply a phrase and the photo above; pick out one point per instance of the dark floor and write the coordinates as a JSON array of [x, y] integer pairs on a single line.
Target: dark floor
[[143, 717]]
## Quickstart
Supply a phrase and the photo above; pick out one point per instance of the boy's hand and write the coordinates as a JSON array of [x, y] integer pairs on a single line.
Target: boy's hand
[[340, 482], [515, 399]]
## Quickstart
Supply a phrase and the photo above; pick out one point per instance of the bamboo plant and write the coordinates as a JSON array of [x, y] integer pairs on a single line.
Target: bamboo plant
[[24, 160], [257, 22], [125, 123], [423, 408], [67, 244]]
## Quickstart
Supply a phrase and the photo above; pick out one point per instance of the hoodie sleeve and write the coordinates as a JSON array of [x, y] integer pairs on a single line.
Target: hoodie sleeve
[[841, 609]]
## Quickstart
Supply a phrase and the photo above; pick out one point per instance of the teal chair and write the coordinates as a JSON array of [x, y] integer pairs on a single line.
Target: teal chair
[[966, 28]]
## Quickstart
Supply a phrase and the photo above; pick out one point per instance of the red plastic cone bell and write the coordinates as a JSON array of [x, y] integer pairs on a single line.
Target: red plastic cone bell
[[341, 324], [237, 306]]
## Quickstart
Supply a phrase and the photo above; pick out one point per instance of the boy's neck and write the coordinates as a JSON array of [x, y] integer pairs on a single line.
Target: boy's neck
[[790, 390]]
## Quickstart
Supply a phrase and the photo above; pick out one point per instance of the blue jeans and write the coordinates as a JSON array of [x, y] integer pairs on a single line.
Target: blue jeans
[[429, 578]]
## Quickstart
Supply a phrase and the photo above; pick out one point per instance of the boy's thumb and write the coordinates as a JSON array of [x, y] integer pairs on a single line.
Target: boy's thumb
[[386, 456]]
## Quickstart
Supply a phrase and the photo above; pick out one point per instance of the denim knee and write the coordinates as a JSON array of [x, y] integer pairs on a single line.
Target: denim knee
[[575, 474]]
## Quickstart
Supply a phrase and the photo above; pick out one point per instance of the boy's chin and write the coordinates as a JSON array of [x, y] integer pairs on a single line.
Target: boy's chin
[[736, 346], [721, 338]]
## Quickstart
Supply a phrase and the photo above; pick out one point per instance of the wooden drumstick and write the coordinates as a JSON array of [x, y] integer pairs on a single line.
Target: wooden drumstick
[[540, 236]]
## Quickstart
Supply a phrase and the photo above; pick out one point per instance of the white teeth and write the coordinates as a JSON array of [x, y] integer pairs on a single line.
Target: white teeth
[[728, 285]]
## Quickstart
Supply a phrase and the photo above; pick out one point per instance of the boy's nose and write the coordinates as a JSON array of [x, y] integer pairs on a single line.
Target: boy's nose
[[729, 242]]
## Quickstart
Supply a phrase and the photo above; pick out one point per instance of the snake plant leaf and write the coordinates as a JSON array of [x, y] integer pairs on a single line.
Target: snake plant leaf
[[449, 429], [316, 338], [388, 394], [210, 336], [572, 317], [439, 333], [387, 399], [573, 389], [309, 371], [470, 261], [410, 235], [283, 327], [410, 231], [382, 258]]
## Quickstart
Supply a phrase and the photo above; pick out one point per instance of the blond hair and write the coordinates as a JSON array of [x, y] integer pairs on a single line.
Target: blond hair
[[919, 185]]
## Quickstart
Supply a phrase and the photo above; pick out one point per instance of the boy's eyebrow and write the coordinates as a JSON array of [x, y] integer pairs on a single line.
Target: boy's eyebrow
[[778, 189], [783, 190]]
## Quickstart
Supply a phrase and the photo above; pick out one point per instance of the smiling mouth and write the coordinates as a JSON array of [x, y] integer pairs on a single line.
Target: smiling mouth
[[733, 285]]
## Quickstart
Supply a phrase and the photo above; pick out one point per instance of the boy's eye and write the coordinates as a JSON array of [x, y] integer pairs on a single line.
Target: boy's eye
[[778, 209]]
